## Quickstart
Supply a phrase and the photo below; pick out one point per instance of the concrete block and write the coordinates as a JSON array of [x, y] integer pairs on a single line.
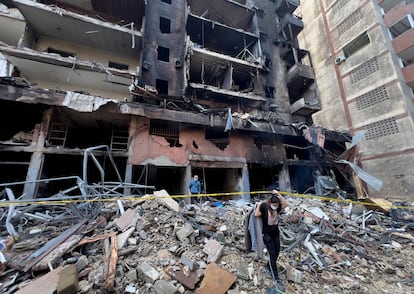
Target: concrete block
[[214, 250], [294, 275], [148, 272], [243, 271], [131, 275], [185, 231], [188, 262], [163, 287], [68, 280]]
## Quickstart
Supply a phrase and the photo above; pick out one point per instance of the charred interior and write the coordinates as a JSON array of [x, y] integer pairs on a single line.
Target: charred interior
[[120, 12], [153, 92]]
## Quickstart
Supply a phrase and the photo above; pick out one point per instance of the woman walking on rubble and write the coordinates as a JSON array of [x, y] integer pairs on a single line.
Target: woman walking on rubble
[[269, 211]]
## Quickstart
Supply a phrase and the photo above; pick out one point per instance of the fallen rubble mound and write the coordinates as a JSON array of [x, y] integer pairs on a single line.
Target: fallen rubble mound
[[159, 245]]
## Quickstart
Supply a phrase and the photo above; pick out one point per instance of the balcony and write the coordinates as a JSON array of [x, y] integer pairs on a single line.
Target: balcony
[[12, 25], [61, 24], [299, 78], [222, 39], [292, 55], [229, 13], [287, 6], [290, 25], [52, 71], [305, 107], [222, 75]]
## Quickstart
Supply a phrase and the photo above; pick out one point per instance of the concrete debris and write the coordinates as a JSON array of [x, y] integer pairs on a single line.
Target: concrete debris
[[327, 247], [216, 280]]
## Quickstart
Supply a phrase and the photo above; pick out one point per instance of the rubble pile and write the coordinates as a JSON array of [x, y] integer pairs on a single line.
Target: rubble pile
[[160, 245]]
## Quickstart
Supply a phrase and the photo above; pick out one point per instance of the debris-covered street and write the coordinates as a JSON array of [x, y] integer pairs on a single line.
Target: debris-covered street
[[209, 147], [160, 245]]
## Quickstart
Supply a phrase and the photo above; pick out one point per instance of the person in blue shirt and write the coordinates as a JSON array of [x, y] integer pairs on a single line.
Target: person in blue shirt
[[194, 187]]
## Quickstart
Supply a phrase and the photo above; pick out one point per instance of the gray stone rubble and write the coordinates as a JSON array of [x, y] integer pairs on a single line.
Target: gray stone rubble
[[327, 247]]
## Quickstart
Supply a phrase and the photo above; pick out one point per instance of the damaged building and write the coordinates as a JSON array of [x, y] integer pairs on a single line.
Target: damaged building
[[174, 88]]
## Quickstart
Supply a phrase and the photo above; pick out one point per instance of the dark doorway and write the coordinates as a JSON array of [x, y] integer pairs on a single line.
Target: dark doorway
[[301, 178], [168, 178]]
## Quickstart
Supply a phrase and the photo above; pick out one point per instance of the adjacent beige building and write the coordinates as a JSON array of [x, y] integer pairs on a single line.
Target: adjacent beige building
[[362, 53]]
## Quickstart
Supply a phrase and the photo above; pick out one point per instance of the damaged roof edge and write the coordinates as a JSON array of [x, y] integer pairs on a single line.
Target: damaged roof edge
[[64, 99], [55, 59]]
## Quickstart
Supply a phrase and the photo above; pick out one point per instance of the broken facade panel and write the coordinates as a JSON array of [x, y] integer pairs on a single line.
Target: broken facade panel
[[173, 88]]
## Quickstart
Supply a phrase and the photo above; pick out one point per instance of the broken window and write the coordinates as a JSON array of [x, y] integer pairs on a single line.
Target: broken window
[[260, 140], [296, 148], [269, 92], [263, 178], [60, 52], [301, 178], [260, 13], [118, 65], [163, 54], [263, 36], [14, 167], [358, 43], [20, 119], [165, 25], [217, 137], [168, 130], [161, 86]]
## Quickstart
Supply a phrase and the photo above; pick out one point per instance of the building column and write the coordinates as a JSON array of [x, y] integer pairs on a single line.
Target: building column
[[128, 177], [245, 184], [187, 179], [131, 142], [33, 174], [284, 179]]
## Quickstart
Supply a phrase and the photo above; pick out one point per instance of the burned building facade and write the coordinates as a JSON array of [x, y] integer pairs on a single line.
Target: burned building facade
[[216, 88]]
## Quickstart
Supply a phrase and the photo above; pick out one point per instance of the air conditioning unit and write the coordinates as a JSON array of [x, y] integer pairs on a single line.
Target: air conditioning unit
[[340, 59]]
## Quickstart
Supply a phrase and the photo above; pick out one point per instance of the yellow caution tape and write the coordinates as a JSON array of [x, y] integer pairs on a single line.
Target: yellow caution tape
[[153, 197]]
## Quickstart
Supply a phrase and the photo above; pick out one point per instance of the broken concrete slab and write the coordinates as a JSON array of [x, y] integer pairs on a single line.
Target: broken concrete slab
[[68, 280], [125, 220], [216, 280], [189, 280], [166, 200], [123, 237], [46, 284]]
